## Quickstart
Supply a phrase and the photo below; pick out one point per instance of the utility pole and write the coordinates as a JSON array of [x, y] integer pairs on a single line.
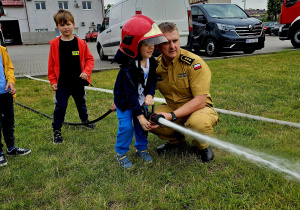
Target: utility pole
[[244, 4]]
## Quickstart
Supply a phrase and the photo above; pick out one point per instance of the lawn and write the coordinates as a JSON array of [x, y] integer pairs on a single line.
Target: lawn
[[83, 172]]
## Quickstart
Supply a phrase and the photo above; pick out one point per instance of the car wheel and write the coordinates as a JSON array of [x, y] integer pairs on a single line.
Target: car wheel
[[211, 48], [101, 55], [248, 51], [295, 39]]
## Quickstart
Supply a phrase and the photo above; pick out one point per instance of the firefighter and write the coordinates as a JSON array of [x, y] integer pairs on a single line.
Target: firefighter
[[183, 78]]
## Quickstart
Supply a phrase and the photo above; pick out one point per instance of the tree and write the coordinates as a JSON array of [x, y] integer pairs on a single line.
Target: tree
[[107, 7], [274, 8]]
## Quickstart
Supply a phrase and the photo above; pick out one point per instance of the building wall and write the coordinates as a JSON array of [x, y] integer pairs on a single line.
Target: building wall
[[43, 19]]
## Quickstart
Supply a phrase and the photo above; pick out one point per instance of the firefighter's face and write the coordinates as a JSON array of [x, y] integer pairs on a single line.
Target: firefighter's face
[[171, 48]]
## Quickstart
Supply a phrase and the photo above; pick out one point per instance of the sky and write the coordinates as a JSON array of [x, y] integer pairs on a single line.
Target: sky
[[254, 4]]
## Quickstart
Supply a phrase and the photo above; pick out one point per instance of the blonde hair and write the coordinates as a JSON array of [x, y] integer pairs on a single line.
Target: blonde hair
[[63, 16], [167, 27]]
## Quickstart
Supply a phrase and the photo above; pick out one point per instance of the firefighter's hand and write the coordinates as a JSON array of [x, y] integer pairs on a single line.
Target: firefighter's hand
[[12, 88], [113, 107], [84, 76], [149, 100], [144, 122], [167, 116], [54, 87]]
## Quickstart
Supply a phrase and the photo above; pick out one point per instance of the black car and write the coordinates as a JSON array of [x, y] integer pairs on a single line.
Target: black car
[[275, 28], [225, 27], [267, 27]]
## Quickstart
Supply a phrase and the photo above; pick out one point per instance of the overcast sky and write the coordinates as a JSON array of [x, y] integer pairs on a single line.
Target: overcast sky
[[254, 4]]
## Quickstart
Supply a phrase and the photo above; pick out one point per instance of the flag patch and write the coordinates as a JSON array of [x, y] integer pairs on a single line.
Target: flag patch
[[197, 66]]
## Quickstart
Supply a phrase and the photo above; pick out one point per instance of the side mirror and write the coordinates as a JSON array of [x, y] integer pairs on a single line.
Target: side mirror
[[200, 19], [99, 27]]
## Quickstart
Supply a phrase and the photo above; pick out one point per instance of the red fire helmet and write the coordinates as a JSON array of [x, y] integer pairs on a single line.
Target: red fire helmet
[[139, 28]]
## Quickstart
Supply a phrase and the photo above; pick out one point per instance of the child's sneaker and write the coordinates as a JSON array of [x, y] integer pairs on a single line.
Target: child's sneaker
[[57, 139], [124, 161], [144, 154], [18, 151], [3, 161]]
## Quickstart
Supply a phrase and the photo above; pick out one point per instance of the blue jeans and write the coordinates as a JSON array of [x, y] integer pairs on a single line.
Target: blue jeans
[[62, 96], [7, 120], [126, 131]]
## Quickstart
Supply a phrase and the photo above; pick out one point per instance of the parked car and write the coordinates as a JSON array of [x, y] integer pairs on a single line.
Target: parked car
[[91, 36], [88, 36], [225, 27], [8, 39], [267, 27], [177, 11], [275, 28]]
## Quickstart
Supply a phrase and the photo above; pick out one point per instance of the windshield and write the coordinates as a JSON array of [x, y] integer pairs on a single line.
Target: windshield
[[224, 11]]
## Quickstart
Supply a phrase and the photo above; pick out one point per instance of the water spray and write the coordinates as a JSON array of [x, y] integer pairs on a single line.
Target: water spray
[[256, 157]]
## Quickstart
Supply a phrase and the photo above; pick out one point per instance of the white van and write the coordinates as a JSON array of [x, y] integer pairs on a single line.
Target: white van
[[177, 11]]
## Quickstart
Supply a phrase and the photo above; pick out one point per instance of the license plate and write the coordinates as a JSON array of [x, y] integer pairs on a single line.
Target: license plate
[[251, 40]]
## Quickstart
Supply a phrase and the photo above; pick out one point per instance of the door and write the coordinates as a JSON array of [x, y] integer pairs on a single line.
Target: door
[[199, 23], [104, 36]]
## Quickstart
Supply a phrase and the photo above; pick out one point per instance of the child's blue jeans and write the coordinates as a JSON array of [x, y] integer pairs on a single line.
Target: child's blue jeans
[[7, 120], [126, 131], [61, 100]]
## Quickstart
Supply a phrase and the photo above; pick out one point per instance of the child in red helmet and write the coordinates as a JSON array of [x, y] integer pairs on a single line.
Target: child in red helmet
[[135, 85]]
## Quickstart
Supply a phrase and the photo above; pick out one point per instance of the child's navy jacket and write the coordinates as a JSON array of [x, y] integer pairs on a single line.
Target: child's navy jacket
[[126, 86]]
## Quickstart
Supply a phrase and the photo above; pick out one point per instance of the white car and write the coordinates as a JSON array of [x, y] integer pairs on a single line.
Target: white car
[[177, 11]]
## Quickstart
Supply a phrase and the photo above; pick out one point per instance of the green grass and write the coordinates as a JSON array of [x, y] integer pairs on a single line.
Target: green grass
[[83, 173]]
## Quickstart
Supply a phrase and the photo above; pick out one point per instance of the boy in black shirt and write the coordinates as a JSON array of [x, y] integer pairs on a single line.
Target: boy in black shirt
[[70, 66]]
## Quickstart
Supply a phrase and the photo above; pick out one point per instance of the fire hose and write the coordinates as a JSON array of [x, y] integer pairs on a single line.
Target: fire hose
[[67, 123]]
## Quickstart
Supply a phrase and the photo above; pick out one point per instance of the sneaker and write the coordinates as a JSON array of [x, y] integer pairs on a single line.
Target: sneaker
[[124, 161], [3, 161], [57, 139], [144, 155], [90, 126], [18, 152]]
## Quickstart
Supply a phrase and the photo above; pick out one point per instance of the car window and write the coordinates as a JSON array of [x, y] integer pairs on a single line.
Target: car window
[[105, 24], [224, 11], [195, 11]]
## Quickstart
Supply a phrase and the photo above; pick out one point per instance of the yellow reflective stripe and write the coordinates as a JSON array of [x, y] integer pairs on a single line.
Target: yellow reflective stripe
[[154, 31]]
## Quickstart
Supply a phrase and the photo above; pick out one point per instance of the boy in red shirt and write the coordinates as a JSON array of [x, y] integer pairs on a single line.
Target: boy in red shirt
[[70, 66]]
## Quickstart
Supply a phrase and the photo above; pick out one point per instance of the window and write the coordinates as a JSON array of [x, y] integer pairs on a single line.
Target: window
[[40, 5], [41, 30], [63, 5], [195, 13], [105, 23], [86, 5]]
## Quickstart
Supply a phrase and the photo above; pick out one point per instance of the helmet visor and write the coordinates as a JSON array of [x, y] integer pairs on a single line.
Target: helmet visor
[[155, 40]]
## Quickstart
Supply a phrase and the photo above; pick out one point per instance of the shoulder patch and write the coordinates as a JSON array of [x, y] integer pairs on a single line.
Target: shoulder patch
[[186, 59], [197, 66]]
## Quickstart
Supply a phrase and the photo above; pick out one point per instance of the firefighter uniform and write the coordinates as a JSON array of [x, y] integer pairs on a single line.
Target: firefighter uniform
[[184, 78]]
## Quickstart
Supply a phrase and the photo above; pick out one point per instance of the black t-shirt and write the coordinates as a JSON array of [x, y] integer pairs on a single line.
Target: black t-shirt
[[69, 64]]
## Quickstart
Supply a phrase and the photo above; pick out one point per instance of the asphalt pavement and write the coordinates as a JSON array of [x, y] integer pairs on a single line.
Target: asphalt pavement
[[33, 59]]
